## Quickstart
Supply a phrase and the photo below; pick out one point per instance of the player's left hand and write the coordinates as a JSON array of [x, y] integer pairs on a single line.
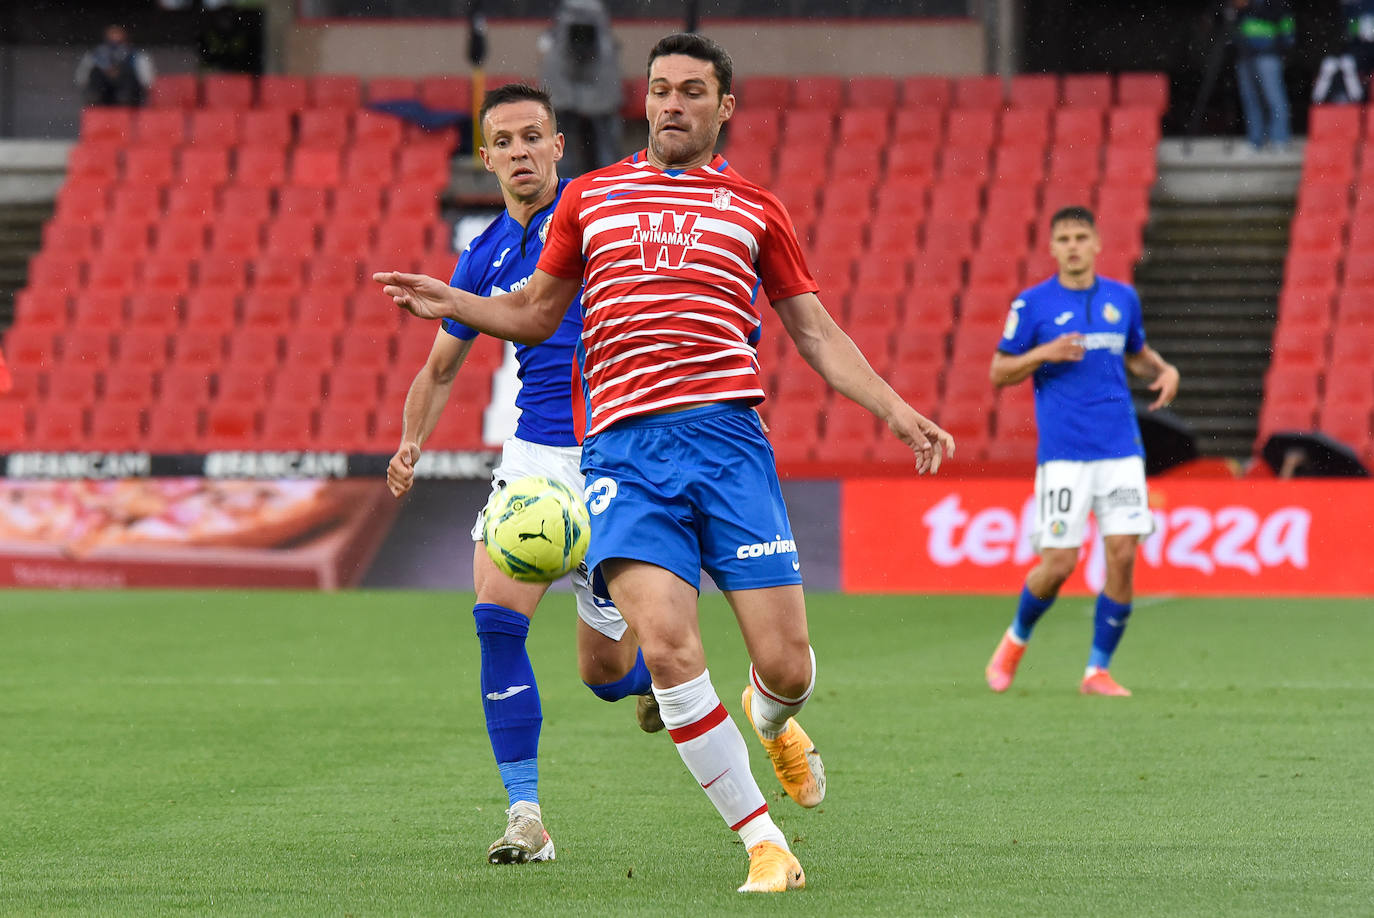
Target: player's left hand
[[419, 294], [927, 440], [1166, 385]]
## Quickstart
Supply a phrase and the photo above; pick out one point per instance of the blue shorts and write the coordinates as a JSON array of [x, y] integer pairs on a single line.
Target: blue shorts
[[690, 491]]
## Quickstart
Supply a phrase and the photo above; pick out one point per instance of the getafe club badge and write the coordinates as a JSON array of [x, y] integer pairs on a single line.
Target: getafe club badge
[[1111, 313], [720, 199], [544, 229]]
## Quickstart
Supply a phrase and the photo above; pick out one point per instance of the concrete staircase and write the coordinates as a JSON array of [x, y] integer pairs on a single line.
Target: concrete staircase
[[1210, 279], [31, 172]]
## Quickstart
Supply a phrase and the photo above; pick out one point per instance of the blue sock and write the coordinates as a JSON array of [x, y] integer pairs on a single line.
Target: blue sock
[[635, 682], [510, 698], [1028, 612], [1109, 623]]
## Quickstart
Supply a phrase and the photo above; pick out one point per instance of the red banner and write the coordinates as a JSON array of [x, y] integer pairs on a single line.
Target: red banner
[[1302, 537]]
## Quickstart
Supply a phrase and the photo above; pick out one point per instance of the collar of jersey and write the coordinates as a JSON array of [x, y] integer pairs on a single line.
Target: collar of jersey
[[716, 162], [512, 225]]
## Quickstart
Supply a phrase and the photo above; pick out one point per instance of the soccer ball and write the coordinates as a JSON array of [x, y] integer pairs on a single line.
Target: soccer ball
[[537, 529]]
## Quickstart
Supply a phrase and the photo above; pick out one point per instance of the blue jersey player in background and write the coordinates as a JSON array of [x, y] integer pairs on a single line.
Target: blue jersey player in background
[[522, 147], [1076, 335]]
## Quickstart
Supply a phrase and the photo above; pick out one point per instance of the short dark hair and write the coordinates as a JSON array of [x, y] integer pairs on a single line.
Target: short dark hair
[[517, 92], [1077, 213], [701, 48]]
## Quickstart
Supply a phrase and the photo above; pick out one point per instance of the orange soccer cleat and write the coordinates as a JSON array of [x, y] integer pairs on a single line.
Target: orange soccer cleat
[[772, 868], [795, 760], [1001, 669], [1100, 682]]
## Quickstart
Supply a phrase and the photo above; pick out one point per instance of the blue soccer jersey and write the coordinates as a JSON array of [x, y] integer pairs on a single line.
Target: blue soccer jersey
[[1083, 410], [500, 260]]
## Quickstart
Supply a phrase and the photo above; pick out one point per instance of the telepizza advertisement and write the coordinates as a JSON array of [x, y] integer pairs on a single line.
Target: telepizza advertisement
[[1295, 538]]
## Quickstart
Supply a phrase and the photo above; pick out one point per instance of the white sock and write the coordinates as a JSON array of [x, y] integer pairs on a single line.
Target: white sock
[[772, 710], [715, 753]]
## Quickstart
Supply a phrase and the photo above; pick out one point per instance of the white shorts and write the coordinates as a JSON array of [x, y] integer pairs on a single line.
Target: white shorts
[[520, 458], [1113, 489]]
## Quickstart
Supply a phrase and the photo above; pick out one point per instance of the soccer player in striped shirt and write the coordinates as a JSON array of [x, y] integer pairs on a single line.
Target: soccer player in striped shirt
[[673, 245], [522, 149]]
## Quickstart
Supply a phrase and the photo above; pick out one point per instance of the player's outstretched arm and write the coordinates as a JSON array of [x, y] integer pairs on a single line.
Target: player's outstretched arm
[[833, 355], [1148, 364], [424, 405], [527, 316]]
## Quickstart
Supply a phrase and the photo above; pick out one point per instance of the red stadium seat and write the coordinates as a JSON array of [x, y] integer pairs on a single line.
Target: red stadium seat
[[1087, 90], [187, 383], [343, 426], [971, 128], [863, 127], [174, 427], [281, 91], [175, 90], [92, 350], [1077, 127], [231, 237], [964, 163], [1328, 161], [128, 385], [141, 349], [978, 92], [1130, 166], [1334, 125], [384, 89], [214, 128], [447, 93], [269, 310], [363, 204], [1020, 167], [75, 240], [98, 311], [82, 201], [918, 125], [198, 346], [160, 127], [358, 349], [1037, 91], [167, 275], [73, 383], [33, 348], [203, 166], [1026, 128], [105, 125], [255, 347], [926, 92], [819, 93], [955, 201], [265, 128], [239, 204], [1359, 269], [112, 272], [227, 90], [223, 276], [260, 167], [1136, 126], [357, 385], [376, 129], [1352, 346], [291, 235], [335, 91], [914, 161], [1305, 306], [300, 203], [279, 273], [59, 427], [325, 127], [349, 239], [311, 344], [425, 165], [231, 426], [245, 385], [299, 384], [1323, 197], [96, 164], [288, 424], [1149, 90], [872, 92], [42, 309], [765, 92], [999, 266], [116, 428]]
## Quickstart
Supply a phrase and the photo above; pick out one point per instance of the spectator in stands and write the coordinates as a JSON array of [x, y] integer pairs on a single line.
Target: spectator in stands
[[1355, 63], [1264, 33], [114, 72], [581, 70]]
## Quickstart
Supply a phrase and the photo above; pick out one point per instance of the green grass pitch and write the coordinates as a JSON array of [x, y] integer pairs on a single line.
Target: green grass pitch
[[244, 753]]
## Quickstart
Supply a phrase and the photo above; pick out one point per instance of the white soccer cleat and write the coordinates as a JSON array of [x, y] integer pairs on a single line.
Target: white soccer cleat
[[525, 839]]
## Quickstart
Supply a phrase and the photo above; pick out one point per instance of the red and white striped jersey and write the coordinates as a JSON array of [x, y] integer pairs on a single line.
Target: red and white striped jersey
[[671, 263]]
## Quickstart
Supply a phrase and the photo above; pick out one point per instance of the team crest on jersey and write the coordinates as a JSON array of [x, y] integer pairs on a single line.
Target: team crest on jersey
[[1058, 528], [1013, 320], [720, 199], [544, 229], [1111, 313], [665, 239]]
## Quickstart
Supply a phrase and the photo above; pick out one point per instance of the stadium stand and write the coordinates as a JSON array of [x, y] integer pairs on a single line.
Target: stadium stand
[[926, 217], [201, 241]]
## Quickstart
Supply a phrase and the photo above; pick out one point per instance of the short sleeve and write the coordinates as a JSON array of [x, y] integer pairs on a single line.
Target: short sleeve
[[1135, 334], [562, 255], [782, 266], [463, 280], [1018, 333]]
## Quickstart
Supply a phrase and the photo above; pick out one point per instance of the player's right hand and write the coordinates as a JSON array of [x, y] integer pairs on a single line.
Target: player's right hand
[[1067, 348], [400, 471], [423, 296]]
